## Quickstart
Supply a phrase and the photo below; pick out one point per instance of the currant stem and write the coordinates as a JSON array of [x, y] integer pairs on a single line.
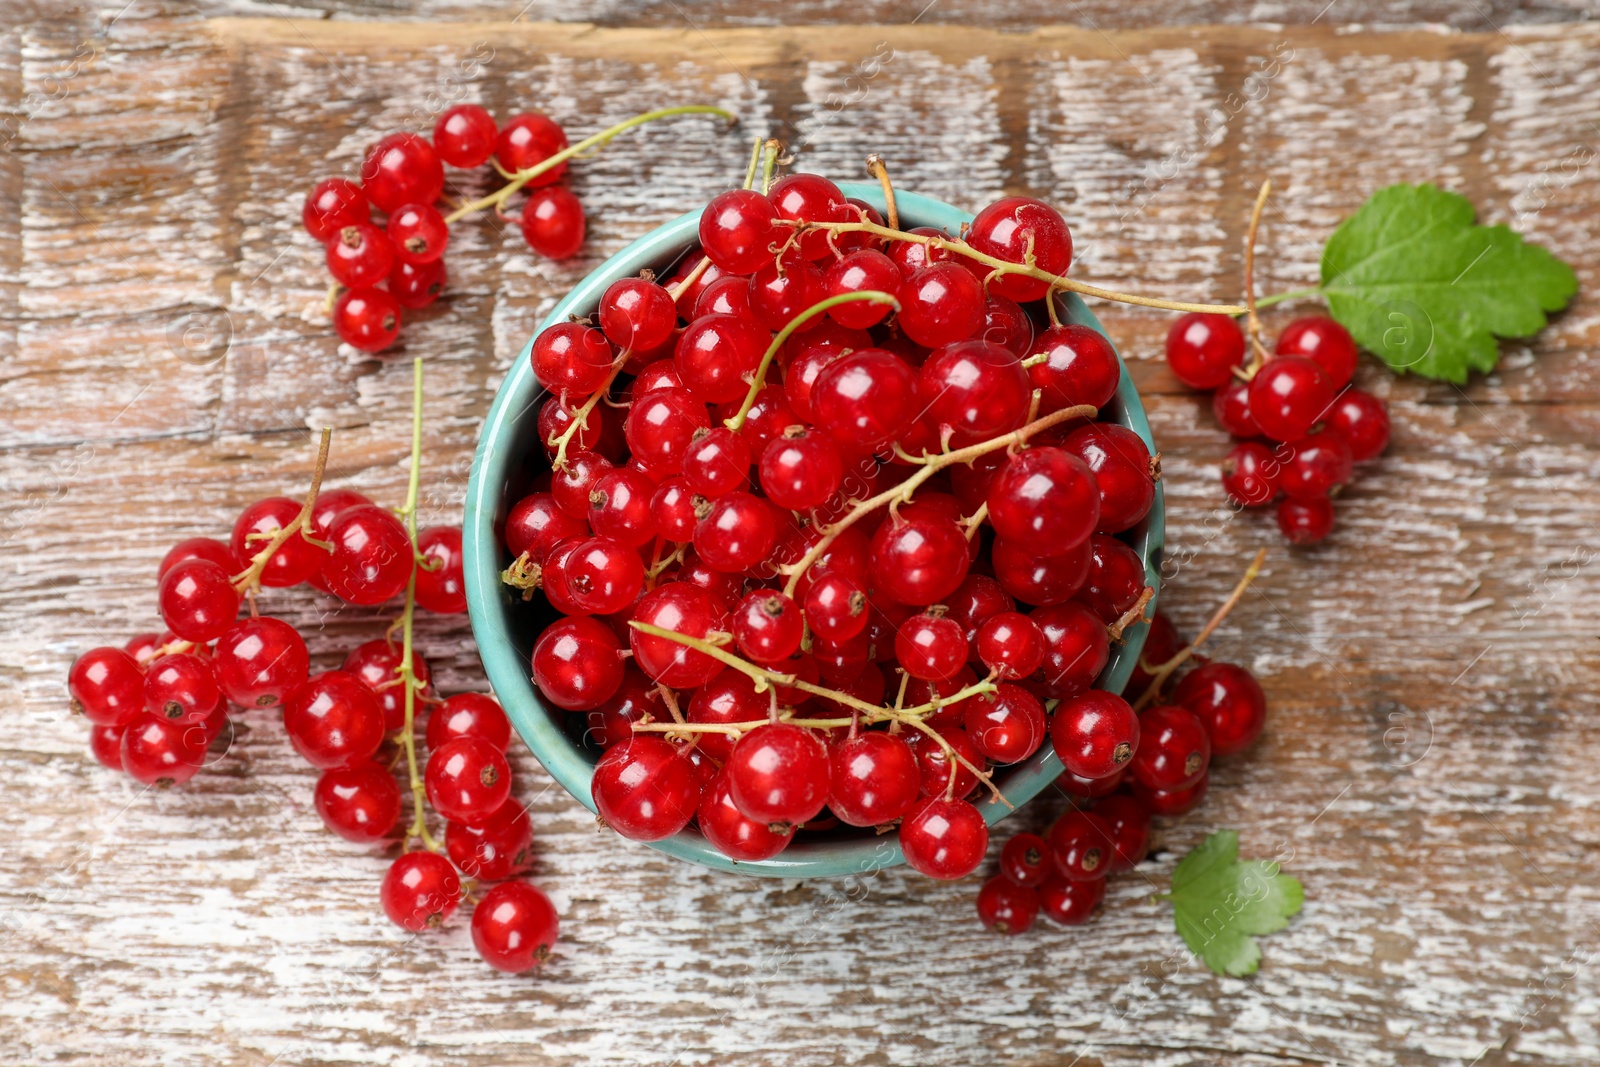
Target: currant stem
[[770, 163], [407, 668], [931, 465], [755, 161], [759, 379], [1132, 615], [523, 177], [250, 577], [1160, 674], [1292, 294], [878, 169], [676, 291], [1004, 266], [563, 439], [1252, 320]]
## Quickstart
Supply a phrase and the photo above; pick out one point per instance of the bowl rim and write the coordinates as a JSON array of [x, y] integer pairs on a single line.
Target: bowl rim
[[489, 605]]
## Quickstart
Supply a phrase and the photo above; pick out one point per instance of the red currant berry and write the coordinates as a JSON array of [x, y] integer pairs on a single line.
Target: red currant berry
[[802, 375], [1315, 466], [527, 140], [874, 779], [360, 256], [975, 388], [1171, 802], [779, 774], [441, 585], [716, 356], [1305, 522], [1076, 647], [660, 427], [105, 745], [494, 849], [738, 230], [1122, 472], [1325, 343], [637, 314], [259, 661], [912, 256], [1229, 703], [1250, 474], [198, 548], [1203, 349], [329, 503], [418, 233], [367, 320], [1080, 846], [514, 927], [1231, 405], [1007, 325], [377, 664], [919, 559], [162, 752], [940, 304], [292, 562], [1010, 644], [836, 608], [733, 833], [801, 469], [571, 359], [662, 374], [553, 222], [420, 891], [1288, 395], [107, 686], [645, 788], [938, 769], [333, 720], [717, 463], [808, 198], [181, 687], [931, 646], [1008, 725], [689, 295], [469, 715], [944, 839], [464, 136], [1070, 903], [143, 648], [333, 204], [198, 601], [619, 507], [767, 418], [975, 601], [402, 169], [767, 626], [1116, 579], [372, 556], [467, 779], [1095, 735], [1127, 823], [1044, 501], [612, 722], [779, 291], [577, 663], [1079, 367], [411, 286], [728, 295], [1025, 861], [736, 533], [1019, 229], [536, 524], [1005, 907], [359, 803], [684, 609], [1362, 420], [1173, 750], [672, 507], [858, 272], [730, 697]]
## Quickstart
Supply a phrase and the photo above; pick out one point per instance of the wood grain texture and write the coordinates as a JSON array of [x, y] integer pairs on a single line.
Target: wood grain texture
[[1428, 770]]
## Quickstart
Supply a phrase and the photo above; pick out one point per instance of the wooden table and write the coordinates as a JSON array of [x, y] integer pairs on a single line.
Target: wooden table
[[1430, 766]]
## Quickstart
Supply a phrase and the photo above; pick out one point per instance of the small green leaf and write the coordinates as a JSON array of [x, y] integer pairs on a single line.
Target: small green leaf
[[1218, 903], [1415, 281]]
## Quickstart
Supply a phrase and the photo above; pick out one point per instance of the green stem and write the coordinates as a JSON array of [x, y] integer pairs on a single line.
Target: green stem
[[755, 162], [523, 177], [1293, 294], [407, 670], [774, 147], [759, 379]]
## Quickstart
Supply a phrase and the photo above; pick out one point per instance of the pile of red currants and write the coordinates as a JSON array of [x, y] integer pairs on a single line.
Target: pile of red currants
[[1305, 426], [400, 263], [1216, 709], [832, 527]]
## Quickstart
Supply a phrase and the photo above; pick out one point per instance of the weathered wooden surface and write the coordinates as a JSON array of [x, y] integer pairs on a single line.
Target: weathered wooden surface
[[1429, 767]]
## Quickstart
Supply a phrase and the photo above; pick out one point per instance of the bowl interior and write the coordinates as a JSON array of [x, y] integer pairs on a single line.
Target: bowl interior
[[508, 458]]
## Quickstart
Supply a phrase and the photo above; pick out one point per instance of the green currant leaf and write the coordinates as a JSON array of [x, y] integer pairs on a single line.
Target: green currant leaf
[[1417, 282], [1218, 903]]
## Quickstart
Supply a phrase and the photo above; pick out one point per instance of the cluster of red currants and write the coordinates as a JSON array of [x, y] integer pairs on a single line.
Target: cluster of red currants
[[1217, 709], [403, 177], [1305, 426], [814, 546]]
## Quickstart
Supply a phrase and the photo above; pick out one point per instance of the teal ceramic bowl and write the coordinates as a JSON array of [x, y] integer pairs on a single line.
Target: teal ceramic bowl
[[509, 455]]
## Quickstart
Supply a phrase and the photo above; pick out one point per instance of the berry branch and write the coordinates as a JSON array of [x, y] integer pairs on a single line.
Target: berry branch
[[249, 579], [407, 668], [1005, 266], [1160, 673], [1253, 321], [581, 415], [498, 198], [931, 465], [758, 380]]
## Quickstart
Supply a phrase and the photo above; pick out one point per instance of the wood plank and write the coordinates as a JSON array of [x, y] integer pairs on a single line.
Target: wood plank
[[1427, 772]]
